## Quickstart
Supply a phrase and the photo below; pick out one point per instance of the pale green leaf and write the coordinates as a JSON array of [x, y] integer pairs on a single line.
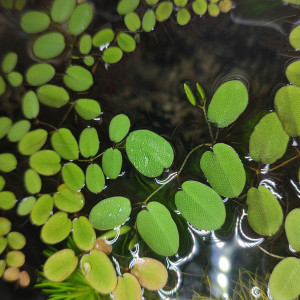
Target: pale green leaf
[[213, 9], [189, 94], [163, 11], [89, 142], [34, 21], [118, 128], [292, 228], [80, 19], [18, 130], [41, 210], [5, 124], [32, 181], [292, 72], [88, 109], [7, 200], [9, 62], [149, 20], [15, 259], [32, 141], [294, 37], [30, 105], [73, 176], [85, 44], [52, 95], [180, 3], [8, 162], [25, 206], [2, 183], [19, 4], [15, 79], [16, 240], [112, 163], [94, 178], [112, 55], [103, 38], [151, 2], [61, 10], [5, 226], [89, 60], [126, 6], [39, 74], [183, 16], [126, 42], [132, 21], [78, 78], [127, 286]]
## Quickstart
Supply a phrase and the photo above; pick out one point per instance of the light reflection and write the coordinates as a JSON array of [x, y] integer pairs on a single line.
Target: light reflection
[[168, 179], [222, 280], [295, 186], [255, 291], [110, 242], [271, 185], [117, 266], [224, 264]]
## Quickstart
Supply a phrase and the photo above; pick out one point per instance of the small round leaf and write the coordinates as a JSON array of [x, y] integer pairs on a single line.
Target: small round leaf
[[163, 11], [18, 130], [7, 200], [89, 142], [32, 181], [103, 38], [5, 226], [132, 21], [39, 74], [78, 78], [15, 259], [126, 6], [8, 162], [88, 109], [126, 42], [16, 240], [148, 21], [183, 16], [199, 7], [112, 55], [5, 124], [112, 163], [73, 176], [292, 227], [118, 128], [294, 37], [85, 44], [9, 62], [25, 206], [15, 79], [94, 178], [128, 287], [30, 105]]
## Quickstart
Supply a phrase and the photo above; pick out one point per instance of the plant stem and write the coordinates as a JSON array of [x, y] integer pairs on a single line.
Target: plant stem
[[270, 254], [207, 122], [46, 124], [72, 104], [284, 163]]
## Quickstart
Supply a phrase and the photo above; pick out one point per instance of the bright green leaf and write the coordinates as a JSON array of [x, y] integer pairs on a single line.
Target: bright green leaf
[[73, 176], [94, 178], [3, 244], [61, 10], [80, 19], [88, 109], [292, 228], [85, 44], [189, 94], [224, 170], [16, 240], [132, 21], [41, 210], [18, 130], [5, 124], [112, 163], [127, 286], [292, 72], [126, 6], [89, 142], [52, 95], [32, 181], [126, 42], [294, 37], [103, 38], [110, 213], [151, 2], [32, 141], [148, 21], [15, 259], [7, 200], [148, 152], [5, 226], [34, 21], [183, 16], [213, 9], [9, 62], [39, 74], [180, 3], [268, 141], [200, 205], [30, 105], [89, 60], [15, 79], [2, 183], [118, 128], [7, 162], [163, 11], [25, 206], [112, 55], [78, 78]]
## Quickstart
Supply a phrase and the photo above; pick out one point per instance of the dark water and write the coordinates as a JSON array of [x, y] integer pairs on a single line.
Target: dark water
[[250, 43]]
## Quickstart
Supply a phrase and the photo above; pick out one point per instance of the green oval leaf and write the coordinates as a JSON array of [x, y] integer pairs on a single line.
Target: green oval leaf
[[39, 74], [2, 86], [30, 105], [67, 200], [83, 233], [150, 273], [88, 109], [60, 265], [3, 244], [112, 55], [99, 271], [65, 144], [265, 214], [15, 79], [183, 16], [89, 60], [2, 267], [225, 6], [52, 95], [61, 10], [199, 7], [103, 38], [73, 176], [16, 240], [268, 141], [7, 200], [200, 205], [34, 21], [110, 213], [224, 170], [78, 78], [287, 106], [163, 11], [158, 230], [32, 181], [294, 37], [112, 163], [5, 226], [149, 152], [45, 162], [180, 3], [85, 44], [8, 162], [228, 102], [126, 42], [5, 124], [49, 45], [94, 178], [25, 206], [148, 21], [127, 286], [2, 183], [15, 259], [89, 142], [292, 72], [18, 130], [284, 279], [9, 62], [56, 229], [132, 21], [189, 94], [32, 141], [292, 227], [126, 6], [80, 19], [118, 128], [213, 9], [41, 210]]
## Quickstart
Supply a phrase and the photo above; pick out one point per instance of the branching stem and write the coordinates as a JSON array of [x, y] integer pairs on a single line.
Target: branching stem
[[284, 163]]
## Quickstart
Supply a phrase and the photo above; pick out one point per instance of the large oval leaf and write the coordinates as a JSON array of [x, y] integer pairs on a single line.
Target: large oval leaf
[[110, 213], [61, 10], [56, 229], [224, 170], [49, 45], [94, 178], [39, 74], [32, 181], [83, 233], [149, 152], [34, 21], [268, 141], [67, 200], [148, 21], [292, 228], [65, 144], [228, 102], [52, 95], [284, 280], [5, 124], [60, 265], [158, 229], [265, 214], [45, 162], [89, 142], [88, 109], [7, 200], [128, 287], [78, 78], [8, 162], [32, 141], [99, 271], [118, 128], [80, 19], [30, 105], [73, 176], [112, 163], [287, 106], [200, 205], [18, 130], [41, 210]]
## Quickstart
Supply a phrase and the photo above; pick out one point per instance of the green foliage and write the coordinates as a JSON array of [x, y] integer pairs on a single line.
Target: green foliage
[[89, 60], [18, 130], [9, 62], [56, 229], [126, 42], [158, 230], [41, 210], [287, 106], [39, 74], [265, 214], [151, 2], [7, 162], [224, 170], [163, 11], [112, 163], [112, 55], [2, 183], [99, 271], [119, 128], [49, 45], [94, 178], [149, 152], [292, 228], [32, 141], [292, 72], [189, 94], [3, 244], [183, 16], [228, 102], [5, 226], [180, 3], [52, 95], [89, 142], [85, 44], [200, 205], [34, 21], [2, 86], [132, 21], [110, 213], [83, 233], [268, 141], [126, 6], [15, 259], [61, 10], [16, 240], [32, 181], [60, 265], [127, 288], [73, 176], [199, 7], [294, 37], [15, 79], [7, 200], [78, 78], [149, 20], [284, 279], [25, 206], [80, 19], [103, 37], [213, 9], [5, 124], [30, 105], [87, 109]]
